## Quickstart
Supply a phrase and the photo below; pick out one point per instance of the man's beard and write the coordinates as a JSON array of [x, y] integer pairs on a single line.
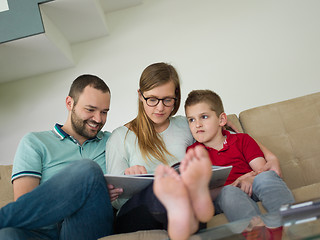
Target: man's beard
[[79, 126]]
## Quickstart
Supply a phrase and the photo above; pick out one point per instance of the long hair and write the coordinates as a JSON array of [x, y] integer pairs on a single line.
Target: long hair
[[149, 141]]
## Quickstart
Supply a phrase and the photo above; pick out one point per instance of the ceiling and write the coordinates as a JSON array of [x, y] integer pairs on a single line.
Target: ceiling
[[66, 22]]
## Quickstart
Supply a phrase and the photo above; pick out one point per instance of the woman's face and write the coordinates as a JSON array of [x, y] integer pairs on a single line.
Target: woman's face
[[160, 113]]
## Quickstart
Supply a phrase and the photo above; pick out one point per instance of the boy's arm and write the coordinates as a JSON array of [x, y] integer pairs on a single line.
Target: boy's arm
[[258, 164], [245, 181]]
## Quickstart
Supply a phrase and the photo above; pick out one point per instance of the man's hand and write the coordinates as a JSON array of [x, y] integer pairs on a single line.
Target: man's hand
[[114, 192], [273, 164], [136, 169]]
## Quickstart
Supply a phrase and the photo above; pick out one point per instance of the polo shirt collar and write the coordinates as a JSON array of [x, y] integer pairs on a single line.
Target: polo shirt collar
[[230, 139], [57, 130]]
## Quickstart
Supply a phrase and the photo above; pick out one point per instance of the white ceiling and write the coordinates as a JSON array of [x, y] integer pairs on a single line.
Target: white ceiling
[[66, 22]]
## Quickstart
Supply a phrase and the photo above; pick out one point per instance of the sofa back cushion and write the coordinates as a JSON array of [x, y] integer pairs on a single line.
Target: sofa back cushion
[[291, 130], [6, 192]]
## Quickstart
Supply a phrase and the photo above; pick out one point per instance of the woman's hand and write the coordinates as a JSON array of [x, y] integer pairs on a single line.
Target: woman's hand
[[136, 169]]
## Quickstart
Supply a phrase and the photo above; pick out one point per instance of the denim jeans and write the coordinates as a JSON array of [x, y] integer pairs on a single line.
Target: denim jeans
[[267, 187], [73, 204], [143, 211]]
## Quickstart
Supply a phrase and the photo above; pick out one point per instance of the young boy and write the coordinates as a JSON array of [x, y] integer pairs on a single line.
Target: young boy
[[246, 183]]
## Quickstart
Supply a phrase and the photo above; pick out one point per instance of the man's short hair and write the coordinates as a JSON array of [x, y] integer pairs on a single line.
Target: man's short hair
[[81, 82]]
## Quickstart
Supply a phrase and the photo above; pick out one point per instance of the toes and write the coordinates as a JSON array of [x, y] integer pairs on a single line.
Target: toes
[[201, 152]]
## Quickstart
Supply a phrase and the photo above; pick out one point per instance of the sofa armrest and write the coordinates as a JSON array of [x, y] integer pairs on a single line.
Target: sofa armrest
[[6, 191]]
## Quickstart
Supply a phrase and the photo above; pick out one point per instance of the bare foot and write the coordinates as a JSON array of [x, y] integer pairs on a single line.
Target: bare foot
[[172, 193], [196, 173]]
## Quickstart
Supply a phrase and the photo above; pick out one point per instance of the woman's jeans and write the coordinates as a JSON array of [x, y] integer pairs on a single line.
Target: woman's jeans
[[267, 187], [73, 204], [143, 211]]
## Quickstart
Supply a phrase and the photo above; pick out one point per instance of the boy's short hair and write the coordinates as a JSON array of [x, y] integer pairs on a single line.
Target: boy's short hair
[[205, 96]]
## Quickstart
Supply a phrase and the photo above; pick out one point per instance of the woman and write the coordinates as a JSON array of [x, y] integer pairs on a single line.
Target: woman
[[154, 137]]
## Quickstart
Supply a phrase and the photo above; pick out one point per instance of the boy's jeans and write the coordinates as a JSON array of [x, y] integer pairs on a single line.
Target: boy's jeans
[[73, 204], [267, 187]]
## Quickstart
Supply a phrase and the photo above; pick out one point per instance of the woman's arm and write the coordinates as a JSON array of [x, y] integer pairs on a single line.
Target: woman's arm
[[115, 162]]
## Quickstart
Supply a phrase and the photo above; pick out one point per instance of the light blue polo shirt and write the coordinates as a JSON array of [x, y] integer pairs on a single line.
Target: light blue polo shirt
[[43, 154]]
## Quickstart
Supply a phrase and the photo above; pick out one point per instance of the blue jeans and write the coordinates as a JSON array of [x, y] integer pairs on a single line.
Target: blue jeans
[[143, 211], [267, 187], [73, 204]]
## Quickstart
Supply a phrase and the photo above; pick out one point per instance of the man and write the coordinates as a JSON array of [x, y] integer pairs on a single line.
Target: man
[[58, 183]]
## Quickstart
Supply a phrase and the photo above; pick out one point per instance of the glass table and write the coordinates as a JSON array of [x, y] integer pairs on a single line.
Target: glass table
[[298, 221], [242, 230]]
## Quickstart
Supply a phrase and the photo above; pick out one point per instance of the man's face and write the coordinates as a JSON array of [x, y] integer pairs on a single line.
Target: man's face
[[89, 114]]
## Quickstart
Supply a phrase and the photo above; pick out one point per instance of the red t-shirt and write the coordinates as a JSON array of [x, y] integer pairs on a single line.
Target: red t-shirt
[[238, 150]]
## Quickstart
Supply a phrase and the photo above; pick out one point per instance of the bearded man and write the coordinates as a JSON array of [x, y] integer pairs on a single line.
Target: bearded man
[[58, 183]]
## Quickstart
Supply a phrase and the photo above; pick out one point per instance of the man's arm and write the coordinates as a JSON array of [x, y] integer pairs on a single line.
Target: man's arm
[[24, 185], [272, 160]]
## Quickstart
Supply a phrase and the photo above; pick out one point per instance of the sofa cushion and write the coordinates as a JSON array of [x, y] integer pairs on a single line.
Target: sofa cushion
[[306, 193], [291, 130], [6, 192]]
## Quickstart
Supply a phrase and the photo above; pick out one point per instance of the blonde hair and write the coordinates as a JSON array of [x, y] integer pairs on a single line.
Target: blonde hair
[[206, 96], [150, 142]]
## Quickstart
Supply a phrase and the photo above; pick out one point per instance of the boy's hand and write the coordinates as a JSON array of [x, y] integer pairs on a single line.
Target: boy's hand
[[245, 182]]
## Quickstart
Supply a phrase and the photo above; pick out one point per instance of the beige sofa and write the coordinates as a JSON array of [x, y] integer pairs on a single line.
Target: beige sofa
[[290, 129]]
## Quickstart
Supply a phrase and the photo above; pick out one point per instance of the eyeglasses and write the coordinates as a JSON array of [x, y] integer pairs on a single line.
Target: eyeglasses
[[153, 101]]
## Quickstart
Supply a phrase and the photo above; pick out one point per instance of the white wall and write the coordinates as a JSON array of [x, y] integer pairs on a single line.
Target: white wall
[[250, 52]]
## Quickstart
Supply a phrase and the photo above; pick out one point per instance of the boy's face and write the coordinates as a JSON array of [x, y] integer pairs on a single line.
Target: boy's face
[[204, 124]]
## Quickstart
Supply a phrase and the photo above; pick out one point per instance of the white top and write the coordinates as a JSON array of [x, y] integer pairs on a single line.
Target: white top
[[122, 149]]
